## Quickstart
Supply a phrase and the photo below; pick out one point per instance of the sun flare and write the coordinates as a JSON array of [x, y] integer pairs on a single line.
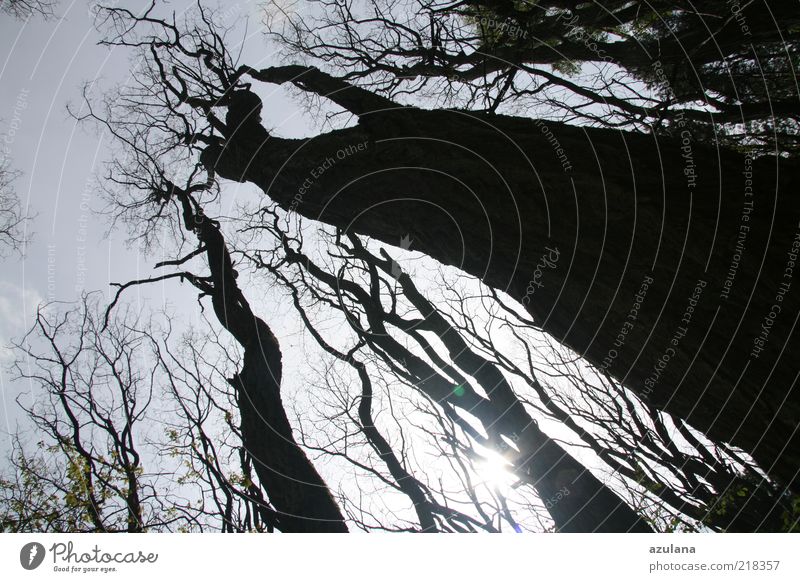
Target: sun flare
[[494, 470]]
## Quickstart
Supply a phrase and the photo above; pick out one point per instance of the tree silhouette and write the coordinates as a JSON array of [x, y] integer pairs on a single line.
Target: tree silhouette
[[12, 219], [606, 225], [22, 9], [724, 70], [491, 194]]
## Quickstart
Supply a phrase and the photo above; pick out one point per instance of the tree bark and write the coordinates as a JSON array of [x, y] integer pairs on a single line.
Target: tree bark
[[666, 263]]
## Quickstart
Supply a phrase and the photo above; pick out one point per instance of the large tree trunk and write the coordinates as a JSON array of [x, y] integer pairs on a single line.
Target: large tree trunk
[[622, 247]]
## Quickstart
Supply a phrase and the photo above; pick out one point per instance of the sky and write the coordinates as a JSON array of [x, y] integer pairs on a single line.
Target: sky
[[44, 65]]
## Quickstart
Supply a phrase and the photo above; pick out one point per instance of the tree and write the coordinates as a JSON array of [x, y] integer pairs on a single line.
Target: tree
[[493, 195], [22, 9], [294, 487], [535, 459], [129, 430], [402, 376], [725, 70], [98, 373], [298, 493], [85, 472], [696, 483], [711, 484], [205, 432], [12, 219]]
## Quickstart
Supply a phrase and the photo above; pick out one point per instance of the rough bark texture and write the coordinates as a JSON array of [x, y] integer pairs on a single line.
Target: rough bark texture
[[633, 222]]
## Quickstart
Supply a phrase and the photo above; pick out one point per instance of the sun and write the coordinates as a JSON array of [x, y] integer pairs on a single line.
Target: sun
[[494, 470]]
